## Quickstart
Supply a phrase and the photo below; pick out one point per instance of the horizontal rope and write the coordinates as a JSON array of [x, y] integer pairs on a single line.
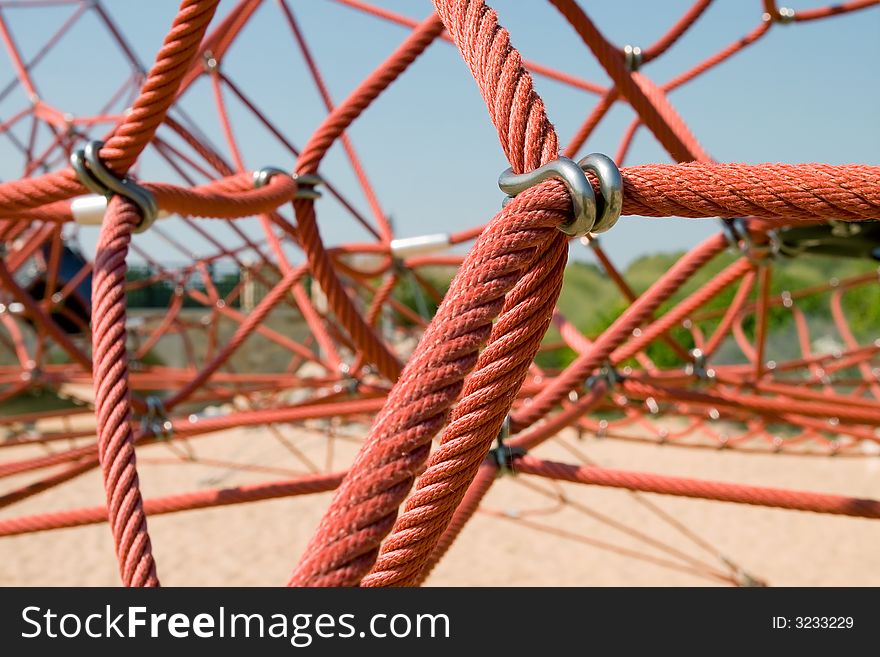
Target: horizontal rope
[[698, 488], [783, 192], [202, 499]]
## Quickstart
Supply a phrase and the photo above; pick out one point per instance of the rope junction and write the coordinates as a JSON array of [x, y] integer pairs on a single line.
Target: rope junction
[[455, 386]]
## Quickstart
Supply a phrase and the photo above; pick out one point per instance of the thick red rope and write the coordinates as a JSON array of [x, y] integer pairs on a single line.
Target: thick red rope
[[202, 499], [136, 131], [710, 490], [514, 273], [517, 240], [112, 398]]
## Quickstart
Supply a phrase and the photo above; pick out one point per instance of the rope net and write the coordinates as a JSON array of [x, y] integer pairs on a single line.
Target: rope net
[[443, 367]]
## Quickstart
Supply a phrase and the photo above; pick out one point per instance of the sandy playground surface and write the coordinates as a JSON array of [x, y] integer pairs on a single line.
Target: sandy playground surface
[[259, 543]]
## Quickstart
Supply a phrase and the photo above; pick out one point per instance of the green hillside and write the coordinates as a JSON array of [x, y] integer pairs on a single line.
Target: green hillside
[[591, 301]]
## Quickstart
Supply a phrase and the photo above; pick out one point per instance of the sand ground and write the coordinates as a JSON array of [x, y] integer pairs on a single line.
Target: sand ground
[[259, 543]]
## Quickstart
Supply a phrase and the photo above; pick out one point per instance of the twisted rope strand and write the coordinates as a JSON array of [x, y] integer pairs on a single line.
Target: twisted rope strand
[[125, 511], [346, 543]]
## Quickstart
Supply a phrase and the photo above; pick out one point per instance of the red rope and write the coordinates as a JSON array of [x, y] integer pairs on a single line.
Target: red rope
[[710, 490], [135, 132], [621, 329], [112, 402], [202, 499], [346, 543], [514, 274]]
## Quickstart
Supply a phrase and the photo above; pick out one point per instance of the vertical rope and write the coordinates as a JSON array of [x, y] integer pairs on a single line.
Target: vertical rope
[[128, 522]]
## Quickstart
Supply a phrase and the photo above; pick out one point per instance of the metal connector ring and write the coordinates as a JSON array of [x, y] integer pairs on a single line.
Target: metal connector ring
[[610, 204], [306, 183], [583, 199], [92, 173]]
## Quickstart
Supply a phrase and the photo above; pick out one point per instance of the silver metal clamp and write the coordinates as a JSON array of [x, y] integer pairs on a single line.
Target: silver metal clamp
[[632, 57], [784, 16], [155, 421], [92, 173], [591, 214], [306, 183], [502, 454]]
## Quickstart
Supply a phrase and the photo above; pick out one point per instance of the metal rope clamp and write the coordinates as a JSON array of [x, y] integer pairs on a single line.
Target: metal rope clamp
[[305, 183], [607, 374], [737, 232], [156, 421], [591, 214], [348, 383], [92, 173], [632, 57], [699, 367], [503, 454]]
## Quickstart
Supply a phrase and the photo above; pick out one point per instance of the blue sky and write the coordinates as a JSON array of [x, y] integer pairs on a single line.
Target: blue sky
[[806, 92]]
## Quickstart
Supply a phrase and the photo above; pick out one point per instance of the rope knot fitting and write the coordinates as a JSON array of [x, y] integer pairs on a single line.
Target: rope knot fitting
[[502, 454], [94, 175], [698, 368], [305, 183], [591, 214], [607, 374], [740, 237], [156, 421], [632, 56], [784, 15], [348, 382]]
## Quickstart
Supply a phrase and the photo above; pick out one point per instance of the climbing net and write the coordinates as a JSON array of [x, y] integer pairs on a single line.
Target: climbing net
[[453, 382]]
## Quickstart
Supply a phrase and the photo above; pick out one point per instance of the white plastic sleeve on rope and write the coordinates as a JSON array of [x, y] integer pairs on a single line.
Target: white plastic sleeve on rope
[[409, 246], [89, 210]]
